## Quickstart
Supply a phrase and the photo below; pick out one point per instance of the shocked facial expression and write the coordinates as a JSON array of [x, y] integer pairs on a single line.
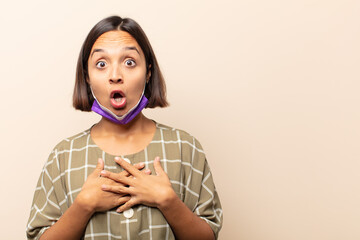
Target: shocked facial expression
[[117, 71]]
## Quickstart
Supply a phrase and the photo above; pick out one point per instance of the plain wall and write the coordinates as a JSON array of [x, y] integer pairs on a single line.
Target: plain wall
[[270, 89]]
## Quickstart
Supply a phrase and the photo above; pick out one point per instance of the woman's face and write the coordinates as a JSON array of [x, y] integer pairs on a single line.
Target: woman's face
[[117, 71]]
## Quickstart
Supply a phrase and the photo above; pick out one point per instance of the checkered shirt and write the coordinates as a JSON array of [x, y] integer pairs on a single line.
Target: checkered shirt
[[74, 158]]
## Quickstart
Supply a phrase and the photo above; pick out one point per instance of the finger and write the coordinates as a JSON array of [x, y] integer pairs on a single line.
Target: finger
[[99, 167], [123, 200], [117, 177], [126, 173], [147, 171], [128, 167], [115, 189], [138, 166], [127, 205], [157, 166]]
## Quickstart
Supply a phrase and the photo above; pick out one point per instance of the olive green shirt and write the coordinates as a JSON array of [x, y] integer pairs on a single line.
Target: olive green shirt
[[74, 158]]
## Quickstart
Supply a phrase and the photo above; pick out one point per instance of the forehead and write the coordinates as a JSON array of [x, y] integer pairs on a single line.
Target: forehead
[[115, 39]]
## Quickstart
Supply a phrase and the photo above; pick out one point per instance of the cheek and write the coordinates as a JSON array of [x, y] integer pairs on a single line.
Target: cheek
[[97, 85], [99, 92], [97, 76], [97, 80], [135, 80]]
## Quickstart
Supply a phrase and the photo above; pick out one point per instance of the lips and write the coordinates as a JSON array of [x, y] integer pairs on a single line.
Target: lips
[[117, 99]]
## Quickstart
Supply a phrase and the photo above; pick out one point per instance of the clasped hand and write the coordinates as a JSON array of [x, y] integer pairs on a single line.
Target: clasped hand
[[150, 190], [104, 190]]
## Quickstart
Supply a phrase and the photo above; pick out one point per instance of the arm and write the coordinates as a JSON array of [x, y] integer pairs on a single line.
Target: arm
[[71, 225], [156, 191], [172, 207], [91, 199]]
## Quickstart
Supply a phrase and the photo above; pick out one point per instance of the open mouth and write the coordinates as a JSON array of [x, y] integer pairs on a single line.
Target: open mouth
[[118, 99], [117, 96]]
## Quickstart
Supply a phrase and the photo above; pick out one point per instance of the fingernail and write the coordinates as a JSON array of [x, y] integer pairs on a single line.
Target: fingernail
[[141, 164], [103, 172], [103, 187], [118, 210], [117, 158]]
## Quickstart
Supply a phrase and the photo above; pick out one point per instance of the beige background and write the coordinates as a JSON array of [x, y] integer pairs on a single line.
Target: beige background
[[270, 88]]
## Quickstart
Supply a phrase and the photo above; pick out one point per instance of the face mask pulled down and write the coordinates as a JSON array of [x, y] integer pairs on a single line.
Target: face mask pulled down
[[124, 119]]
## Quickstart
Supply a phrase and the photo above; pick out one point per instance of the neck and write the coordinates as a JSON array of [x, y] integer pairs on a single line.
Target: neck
[[108, 127]]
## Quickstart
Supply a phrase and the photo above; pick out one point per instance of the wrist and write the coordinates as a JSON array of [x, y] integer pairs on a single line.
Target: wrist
[[168, 200], [81, 204]]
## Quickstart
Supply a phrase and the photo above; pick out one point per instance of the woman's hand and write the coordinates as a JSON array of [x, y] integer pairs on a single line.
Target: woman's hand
[[93, 199], [150, 190]]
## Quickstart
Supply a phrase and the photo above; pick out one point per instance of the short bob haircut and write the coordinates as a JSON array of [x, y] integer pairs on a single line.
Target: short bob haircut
[[155, 90]]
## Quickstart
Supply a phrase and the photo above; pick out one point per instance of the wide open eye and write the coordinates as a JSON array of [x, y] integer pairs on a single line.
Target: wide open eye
[[130, 63], [101, 64]]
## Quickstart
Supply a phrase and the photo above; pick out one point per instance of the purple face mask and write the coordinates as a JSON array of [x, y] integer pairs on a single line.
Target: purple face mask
[[124, 119]]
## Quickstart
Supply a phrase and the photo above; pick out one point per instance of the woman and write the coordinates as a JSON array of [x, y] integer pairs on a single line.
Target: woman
[[127, 177]]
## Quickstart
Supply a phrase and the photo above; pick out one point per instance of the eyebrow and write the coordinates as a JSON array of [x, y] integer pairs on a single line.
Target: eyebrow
[[125, 48]]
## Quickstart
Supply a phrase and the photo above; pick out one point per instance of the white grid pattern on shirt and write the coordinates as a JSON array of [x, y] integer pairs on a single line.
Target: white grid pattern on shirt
[[42, 187], [164, 160], [86, 157], [69, 167], [163, 150]]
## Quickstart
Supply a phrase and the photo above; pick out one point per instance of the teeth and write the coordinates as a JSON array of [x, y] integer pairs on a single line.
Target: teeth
[[118, 99]]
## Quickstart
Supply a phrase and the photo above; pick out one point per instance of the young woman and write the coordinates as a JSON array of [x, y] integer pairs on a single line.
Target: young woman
[[127, 177]]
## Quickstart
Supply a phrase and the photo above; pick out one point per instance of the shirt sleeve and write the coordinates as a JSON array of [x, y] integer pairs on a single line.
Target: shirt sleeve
[[201, 195], [208, 206], [45, 209]]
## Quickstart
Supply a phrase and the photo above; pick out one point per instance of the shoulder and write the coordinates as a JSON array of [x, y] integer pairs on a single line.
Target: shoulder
[[171, 134], [66, 147], [77, 141], [77, 138]]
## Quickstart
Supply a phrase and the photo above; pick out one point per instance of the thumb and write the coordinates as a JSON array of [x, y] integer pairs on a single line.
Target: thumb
[[157, 166], [99, 166]]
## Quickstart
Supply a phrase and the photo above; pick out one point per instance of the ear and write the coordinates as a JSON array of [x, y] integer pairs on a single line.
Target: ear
[[148, 75]]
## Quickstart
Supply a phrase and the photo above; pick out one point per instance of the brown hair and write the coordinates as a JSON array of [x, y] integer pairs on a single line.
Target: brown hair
[[155, 89]]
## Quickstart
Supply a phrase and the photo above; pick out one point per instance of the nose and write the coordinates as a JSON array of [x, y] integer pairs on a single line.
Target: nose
[[115, 80], [115, 75]]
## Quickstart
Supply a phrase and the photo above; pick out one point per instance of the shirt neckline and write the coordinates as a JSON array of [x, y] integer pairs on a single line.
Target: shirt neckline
[[131, 155]]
